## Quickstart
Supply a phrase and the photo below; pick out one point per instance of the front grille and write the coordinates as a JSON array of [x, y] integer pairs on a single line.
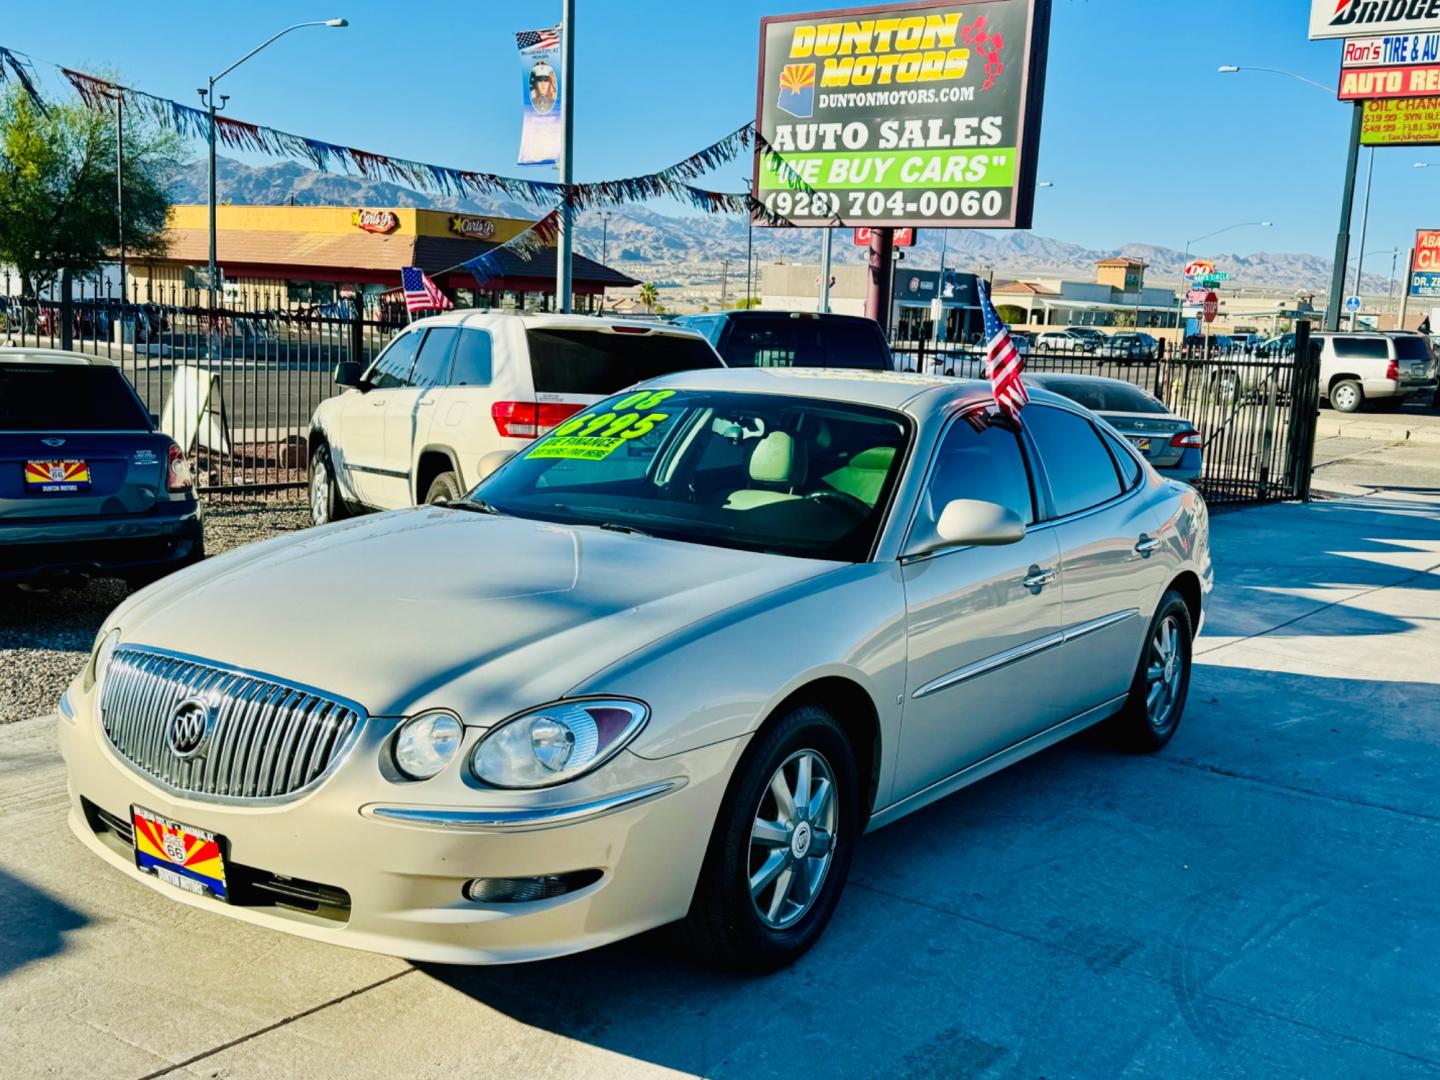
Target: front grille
[[268, 740]]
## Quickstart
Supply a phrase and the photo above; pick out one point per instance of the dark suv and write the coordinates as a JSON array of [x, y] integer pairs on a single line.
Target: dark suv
[[794, 339]]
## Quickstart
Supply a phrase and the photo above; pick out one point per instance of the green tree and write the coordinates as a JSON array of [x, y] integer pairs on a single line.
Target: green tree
[[1010, 314], [742, 304], [57, 188], [649, 295]]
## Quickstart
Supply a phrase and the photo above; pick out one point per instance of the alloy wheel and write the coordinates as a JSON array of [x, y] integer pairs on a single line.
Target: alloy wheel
[[1164, 672], [792, 839], [320, 494]]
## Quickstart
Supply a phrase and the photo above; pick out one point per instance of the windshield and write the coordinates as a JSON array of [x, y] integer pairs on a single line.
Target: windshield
[[783, 341], [763, 472], [36, 396], [1106, 396], [1411, 348]]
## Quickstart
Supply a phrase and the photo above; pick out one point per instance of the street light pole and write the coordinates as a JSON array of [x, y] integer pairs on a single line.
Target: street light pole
[[1185, 261], [1364, 227], [749, 244], [208, 96], [566, 241]]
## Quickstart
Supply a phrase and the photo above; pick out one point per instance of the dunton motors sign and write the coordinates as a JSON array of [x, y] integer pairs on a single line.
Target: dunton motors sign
[[1364, 18]]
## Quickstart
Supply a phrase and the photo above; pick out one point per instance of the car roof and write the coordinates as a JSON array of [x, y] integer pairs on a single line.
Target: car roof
[[886, 389], [486, 320], [20, 354], [771, 313]]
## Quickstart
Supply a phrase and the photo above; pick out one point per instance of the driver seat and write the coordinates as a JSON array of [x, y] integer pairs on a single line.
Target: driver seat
[[779, 464]]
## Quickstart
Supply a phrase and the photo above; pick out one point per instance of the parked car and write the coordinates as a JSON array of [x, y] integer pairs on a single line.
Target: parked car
[[1095, 338], [88, 487], [1130, 346], [1282, 345], [447, 391], [1385, 369], [756, 338], [652, 669], [1063, 341], [1169, 442], [1197, 346]]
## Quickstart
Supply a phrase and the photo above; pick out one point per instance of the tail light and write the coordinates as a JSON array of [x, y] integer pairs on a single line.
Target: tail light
[[527, 420], [177, 471], [1186, 440], [1392, 370]]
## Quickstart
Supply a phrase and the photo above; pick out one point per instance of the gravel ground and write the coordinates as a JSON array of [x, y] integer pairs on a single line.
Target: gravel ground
[[45, 637]]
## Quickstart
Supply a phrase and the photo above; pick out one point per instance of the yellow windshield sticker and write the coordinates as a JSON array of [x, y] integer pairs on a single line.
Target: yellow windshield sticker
[[594, 436]]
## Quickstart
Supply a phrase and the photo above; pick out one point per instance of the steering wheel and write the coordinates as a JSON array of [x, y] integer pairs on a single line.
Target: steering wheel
[[849, 502]]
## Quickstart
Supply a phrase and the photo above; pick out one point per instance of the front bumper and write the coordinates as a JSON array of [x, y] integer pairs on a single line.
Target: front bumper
[[403, 875], [168, 536]]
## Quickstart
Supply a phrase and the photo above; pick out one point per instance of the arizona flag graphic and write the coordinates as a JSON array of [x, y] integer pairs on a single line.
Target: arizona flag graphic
[[797, 89], [174, 848], [57, 475]]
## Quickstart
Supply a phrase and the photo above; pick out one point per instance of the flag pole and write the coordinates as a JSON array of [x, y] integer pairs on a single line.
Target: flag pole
[[566, 239]]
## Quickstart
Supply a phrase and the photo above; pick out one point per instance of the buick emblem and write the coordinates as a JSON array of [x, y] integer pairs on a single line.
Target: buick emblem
[[189, 728]]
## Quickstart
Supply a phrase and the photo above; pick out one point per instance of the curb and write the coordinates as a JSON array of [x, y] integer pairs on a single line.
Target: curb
[[1378, 432]]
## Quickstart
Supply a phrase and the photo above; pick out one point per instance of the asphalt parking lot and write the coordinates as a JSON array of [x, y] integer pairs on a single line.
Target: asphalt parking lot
[[1257, 900]]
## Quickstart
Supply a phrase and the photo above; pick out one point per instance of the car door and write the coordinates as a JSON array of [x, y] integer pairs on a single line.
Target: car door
[[1105, 525], [409, 412], [981, 622], [360, 448]]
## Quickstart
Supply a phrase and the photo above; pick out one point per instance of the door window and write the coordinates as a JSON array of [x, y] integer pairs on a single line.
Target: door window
[[392, 369], [1081, 472], [1361, 348], [979, 458], [472, 365], [432, 367], [1128, 466]]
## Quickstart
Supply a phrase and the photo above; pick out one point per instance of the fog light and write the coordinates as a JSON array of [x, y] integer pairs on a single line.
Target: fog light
[[524, 890]]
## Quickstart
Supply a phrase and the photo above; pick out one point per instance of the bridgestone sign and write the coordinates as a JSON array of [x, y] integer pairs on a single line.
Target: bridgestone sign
[[918, 114], [1366, 18]]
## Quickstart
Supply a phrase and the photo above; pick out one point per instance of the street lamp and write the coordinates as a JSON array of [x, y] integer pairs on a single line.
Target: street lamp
[[1185, 261], [1231, 69], [749, 243], [208, 97]]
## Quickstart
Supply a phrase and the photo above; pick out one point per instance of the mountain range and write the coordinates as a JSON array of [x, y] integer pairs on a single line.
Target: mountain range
[[674, 249]]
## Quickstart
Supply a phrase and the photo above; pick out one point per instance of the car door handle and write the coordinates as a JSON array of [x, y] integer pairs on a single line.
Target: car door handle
[[378, 403], [1146, 544], [423, 402], [1038, 579]]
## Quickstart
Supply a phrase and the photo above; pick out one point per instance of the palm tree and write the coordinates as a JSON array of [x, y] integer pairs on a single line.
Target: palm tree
[[649, 295]]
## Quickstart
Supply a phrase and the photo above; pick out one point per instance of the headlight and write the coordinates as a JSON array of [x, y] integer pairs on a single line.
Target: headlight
[[555, 743], [426, 743], [95, 672]]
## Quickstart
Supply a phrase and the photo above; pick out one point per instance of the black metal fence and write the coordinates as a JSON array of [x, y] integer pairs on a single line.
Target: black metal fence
[[264, 365], [1255, 410]]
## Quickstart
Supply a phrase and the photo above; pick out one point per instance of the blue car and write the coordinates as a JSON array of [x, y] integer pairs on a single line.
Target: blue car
[[88, 487]]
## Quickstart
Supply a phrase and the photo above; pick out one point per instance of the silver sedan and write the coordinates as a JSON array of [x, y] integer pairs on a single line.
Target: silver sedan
[[665, 665]]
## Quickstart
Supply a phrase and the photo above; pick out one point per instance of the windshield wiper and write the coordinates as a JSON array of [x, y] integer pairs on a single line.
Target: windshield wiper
[[477, 506], [614, 526]]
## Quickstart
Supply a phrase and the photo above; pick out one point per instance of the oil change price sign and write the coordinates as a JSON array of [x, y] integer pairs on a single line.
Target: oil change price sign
[[919, 114]]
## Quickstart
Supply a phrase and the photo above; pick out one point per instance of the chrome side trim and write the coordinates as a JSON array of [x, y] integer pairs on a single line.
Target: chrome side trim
[[539, 817], [1021, 652]]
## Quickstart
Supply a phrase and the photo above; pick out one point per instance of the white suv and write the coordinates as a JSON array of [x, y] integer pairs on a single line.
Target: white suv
[[1385, 369], [452, 391]]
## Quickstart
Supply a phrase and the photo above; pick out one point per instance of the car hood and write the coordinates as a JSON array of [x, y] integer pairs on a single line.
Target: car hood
[[445, 608]]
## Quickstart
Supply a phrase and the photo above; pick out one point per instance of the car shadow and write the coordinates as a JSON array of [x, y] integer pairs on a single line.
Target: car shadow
[[33, 924]]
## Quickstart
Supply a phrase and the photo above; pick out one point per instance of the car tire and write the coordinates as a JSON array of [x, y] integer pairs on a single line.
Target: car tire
[[326, 503], [445, 486], [1346, 396], [1145, 724], [754, 851]]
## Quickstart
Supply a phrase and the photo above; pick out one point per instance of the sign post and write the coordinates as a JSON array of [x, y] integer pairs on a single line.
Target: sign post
[[1342, 235]]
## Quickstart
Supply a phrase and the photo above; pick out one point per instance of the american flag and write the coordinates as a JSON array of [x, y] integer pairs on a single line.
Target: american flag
[[421, 294], [1003, 362], [546, 39]]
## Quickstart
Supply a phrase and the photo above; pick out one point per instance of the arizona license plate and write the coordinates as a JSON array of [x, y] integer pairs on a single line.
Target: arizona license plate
[[180, 855], [56, 476], [1142, 443]]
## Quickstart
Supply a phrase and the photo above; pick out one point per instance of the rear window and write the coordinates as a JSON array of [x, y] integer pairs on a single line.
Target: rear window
[[1362, 348], [809, 343], [1106, 396], [67, 397], [1411, 348], [592, 362]]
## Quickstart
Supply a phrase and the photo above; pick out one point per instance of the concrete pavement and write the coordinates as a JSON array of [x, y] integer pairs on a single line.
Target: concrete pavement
[[1257, 900]]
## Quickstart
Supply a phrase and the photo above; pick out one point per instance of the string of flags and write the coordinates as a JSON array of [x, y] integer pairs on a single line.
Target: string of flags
[[191, 122]]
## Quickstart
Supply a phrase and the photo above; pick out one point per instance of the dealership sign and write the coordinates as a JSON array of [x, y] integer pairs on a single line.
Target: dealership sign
[[1356, 18], [375, 221], [472, 228], [904, 115], [1401, 122]]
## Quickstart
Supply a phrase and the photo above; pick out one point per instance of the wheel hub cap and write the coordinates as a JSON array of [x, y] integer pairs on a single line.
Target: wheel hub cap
[[792, 839], [800, 840]]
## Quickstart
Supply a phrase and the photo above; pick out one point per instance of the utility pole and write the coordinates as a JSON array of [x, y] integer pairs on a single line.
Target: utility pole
[[1364, 228], [120, 192], [567, 156], [724, 283], [749, 243], [825, 256], [882, 273], [208, 96], [605, 238], [1342, 235]]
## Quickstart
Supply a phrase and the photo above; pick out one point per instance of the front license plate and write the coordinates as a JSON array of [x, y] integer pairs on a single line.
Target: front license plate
[[1141, 443], [181, 855], [57, 476]]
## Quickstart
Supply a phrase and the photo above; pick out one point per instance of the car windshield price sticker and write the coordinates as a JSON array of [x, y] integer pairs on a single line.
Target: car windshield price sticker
[[911, 114], [595, 436]]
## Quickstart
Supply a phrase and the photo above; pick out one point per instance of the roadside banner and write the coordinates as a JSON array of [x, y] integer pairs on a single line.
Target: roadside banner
[[1361, 18], [912, 114], [541, 134], [1401, 122], [194, 413]]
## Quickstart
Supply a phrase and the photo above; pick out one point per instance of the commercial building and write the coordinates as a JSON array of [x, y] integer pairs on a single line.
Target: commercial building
[[312, 256]]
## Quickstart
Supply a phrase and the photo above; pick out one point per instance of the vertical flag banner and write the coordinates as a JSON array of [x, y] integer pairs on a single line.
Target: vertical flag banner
[[1003, 362], [541, 134]]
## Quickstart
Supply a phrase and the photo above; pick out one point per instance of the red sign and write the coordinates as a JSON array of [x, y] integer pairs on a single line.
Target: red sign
[[903, 237], [1389, 82], [376, 221], [1212, 307], [1199, 268], [1427, 250]]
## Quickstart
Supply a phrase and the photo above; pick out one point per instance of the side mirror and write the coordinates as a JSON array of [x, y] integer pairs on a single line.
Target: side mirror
[[971, 521], [492, 461], [347, 373]]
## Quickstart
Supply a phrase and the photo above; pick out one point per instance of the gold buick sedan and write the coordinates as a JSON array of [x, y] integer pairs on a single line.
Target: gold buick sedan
[[666, 664]]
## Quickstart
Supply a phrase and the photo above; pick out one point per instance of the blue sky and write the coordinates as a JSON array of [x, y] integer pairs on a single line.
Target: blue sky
[[1143, 139]]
